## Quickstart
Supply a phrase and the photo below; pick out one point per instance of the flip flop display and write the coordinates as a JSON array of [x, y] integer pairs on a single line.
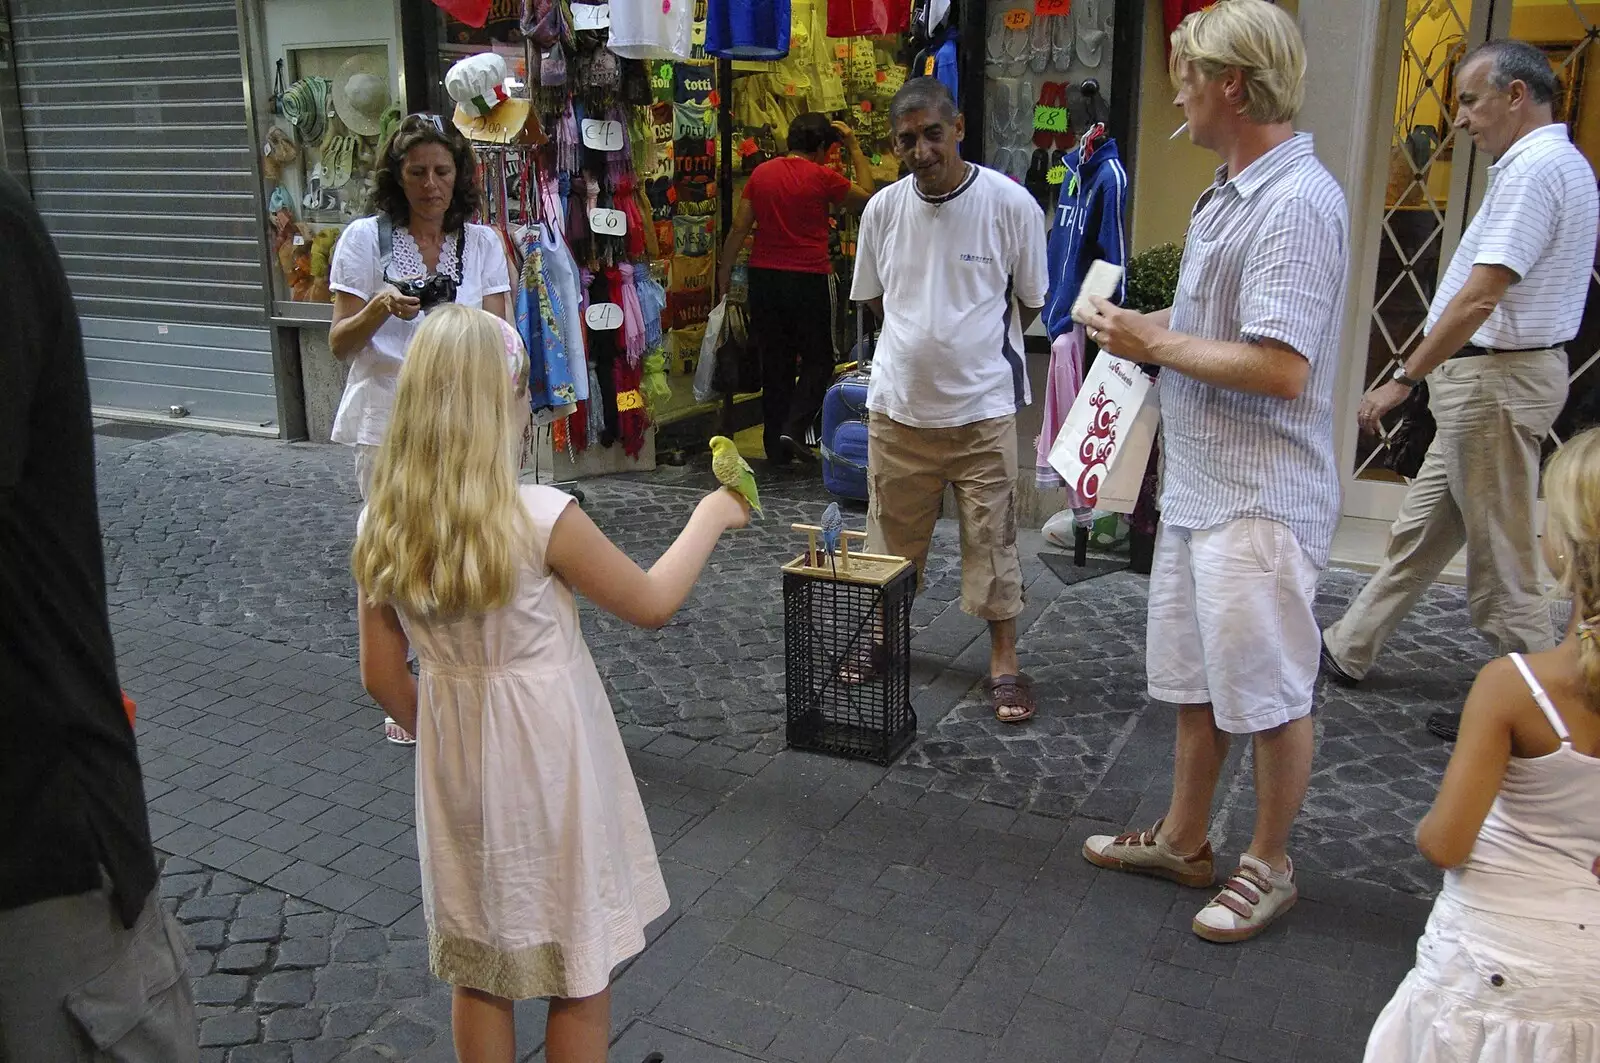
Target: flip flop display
[[1061, 41], [1090, 32], [1039, 44]]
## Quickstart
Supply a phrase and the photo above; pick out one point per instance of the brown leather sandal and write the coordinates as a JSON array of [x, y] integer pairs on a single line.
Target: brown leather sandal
[[1011, 692]]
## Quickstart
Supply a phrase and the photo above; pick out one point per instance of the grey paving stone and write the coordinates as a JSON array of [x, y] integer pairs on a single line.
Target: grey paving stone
[[206, 935], [215, 907], [361, 943], [260, 1054], [346, 984], [255, 928], [221, 989], [237, 1028], [242, 959], [293, 1024]]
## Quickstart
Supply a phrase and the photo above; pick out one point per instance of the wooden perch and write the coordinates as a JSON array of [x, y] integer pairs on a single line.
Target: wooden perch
[[813, 558]]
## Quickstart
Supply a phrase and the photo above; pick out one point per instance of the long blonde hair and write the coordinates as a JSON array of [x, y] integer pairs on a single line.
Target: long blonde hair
[[1572, 523], [444, 524]]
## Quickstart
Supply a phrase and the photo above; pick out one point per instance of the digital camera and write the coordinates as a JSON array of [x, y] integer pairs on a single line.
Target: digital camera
[[431, 292]]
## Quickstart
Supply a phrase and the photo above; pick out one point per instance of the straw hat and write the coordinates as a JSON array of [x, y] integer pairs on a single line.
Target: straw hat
[[360, 94], [484, 110]]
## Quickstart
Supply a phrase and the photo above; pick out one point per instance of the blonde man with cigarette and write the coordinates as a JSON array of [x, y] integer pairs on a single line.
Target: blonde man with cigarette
[[1250, 494]]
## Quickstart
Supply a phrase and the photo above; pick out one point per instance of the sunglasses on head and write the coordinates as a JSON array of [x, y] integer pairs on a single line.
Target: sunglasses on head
[[424, 118]]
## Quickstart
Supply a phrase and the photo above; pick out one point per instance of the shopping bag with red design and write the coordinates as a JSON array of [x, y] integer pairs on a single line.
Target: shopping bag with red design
[[1104, 444]]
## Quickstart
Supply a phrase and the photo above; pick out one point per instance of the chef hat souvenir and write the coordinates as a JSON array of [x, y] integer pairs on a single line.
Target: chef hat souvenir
[[485, 111]]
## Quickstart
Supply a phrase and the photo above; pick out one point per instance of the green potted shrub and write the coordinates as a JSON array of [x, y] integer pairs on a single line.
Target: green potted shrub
[[1152, 279]]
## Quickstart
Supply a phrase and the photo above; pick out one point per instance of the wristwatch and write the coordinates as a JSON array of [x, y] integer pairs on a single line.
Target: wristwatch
[[1399, 377]]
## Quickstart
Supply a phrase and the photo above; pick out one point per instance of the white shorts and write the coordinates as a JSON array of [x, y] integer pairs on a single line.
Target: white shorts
[[1230, 623]]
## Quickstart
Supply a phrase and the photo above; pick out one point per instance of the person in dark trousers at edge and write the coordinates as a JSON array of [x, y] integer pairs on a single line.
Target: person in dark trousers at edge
[[91, 967], [786, 203]]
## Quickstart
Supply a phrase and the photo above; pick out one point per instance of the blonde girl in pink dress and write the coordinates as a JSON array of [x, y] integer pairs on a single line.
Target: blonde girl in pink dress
[[539, 874]]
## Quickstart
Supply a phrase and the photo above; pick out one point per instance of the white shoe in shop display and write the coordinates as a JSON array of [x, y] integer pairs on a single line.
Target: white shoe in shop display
[[1061, 42], [1091, 34]]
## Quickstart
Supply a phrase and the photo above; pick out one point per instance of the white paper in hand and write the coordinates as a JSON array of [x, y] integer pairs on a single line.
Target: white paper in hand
[[1102, 280]]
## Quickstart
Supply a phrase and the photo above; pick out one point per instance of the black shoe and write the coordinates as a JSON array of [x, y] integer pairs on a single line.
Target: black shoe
[[1331, 668], [797, 449], [1445, 725]]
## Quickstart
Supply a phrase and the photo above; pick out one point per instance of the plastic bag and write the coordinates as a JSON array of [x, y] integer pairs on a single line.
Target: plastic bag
[[705, 372]]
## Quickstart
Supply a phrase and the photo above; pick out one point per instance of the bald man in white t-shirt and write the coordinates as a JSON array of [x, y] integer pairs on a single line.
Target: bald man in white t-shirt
[[952, 258]]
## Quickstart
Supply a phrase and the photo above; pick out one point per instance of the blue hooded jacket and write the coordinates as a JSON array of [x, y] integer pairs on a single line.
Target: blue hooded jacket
[[1087, 225]]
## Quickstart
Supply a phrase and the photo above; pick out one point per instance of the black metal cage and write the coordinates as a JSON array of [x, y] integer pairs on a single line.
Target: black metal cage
[[847, 640]]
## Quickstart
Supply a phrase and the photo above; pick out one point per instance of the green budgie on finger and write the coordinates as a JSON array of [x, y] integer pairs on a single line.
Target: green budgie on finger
[[733, 471]]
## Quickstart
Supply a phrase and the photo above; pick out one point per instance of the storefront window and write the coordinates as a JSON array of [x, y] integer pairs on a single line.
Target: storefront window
[[1047, 80], [327, 93]]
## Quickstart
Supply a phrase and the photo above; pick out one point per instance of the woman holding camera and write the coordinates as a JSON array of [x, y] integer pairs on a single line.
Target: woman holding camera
[[416, 251]]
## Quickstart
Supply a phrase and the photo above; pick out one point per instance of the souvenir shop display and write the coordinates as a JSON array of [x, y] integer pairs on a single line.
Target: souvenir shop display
[[589, 299], [845, 60], [318, 156], [1043, 74]]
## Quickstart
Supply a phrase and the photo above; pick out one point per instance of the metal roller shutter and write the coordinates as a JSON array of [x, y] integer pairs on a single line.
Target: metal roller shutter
[[139, 154]]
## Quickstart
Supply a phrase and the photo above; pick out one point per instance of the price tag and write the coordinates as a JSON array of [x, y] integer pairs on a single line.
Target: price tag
[[591, 16], [1052, 7], [298, 239], [1018, 18], [602, 136], [927, 67], [1056, 176], [788, 90], [841, 51], [606, 222], [1050, 119], [603, 317]]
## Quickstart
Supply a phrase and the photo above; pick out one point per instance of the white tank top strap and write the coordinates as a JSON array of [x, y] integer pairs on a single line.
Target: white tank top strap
[[1542, 699]]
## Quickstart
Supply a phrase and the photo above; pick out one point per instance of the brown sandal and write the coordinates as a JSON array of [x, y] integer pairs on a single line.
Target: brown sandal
[[1011, 692]]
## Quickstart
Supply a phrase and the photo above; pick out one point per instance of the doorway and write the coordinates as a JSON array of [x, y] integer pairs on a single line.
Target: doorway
[[1435, 181]]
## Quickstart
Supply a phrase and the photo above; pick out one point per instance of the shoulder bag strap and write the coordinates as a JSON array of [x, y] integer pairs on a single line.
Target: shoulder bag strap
[[385, 245]]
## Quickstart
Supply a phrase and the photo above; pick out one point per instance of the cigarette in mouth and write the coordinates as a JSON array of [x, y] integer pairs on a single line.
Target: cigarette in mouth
[[1179, 131]]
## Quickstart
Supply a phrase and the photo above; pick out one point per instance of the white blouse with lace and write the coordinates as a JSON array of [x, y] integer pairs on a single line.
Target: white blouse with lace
[[368, 398]]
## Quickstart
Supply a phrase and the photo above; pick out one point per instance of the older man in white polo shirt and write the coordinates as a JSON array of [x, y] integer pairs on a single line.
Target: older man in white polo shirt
[[1497, 376], [1250, 495]]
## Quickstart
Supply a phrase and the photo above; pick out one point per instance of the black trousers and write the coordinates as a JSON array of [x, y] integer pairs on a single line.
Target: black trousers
[[791, 321]]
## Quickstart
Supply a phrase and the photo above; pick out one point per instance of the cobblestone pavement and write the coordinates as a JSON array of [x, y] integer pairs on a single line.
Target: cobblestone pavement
[[822, 909]]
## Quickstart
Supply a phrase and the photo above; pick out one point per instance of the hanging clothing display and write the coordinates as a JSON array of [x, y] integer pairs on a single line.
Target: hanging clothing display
[[747, 29], [1061, 388], [652, 29], [1088, 224]]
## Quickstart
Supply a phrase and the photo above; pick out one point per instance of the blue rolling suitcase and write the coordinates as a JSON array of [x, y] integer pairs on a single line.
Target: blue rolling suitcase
[[844, 425], [844, 437]]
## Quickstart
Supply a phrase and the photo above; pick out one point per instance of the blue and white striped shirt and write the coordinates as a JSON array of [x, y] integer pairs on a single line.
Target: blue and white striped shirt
[[1264, 260]]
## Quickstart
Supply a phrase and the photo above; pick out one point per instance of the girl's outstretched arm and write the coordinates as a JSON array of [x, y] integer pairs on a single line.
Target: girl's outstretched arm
[[592, 565], [383, 662], [1477, 767]]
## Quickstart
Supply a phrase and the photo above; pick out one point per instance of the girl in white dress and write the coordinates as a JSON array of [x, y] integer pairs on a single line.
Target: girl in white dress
[[1509, 966], [538, 870]]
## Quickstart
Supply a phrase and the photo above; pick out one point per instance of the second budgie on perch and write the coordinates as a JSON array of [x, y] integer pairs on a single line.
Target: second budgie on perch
[[733, 471], [832, 526]]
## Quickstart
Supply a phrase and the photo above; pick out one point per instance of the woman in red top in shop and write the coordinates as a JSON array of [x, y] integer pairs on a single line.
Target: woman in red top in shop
[[786, 202]]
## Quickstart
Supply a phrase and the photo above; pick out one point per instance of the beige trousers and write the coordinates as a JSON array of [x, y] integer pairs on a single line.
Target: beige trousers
[[1478, 487], [907, 469]]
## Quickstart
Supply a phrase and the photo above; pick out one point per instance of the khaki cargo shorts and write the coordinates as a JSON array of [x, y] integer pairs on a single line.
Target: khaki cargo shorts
[[907, 469]]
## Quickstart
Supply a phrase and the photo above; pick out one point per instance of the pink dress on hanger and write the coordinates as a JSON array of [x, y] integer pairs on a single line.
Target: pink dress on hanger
[[1060, 390]]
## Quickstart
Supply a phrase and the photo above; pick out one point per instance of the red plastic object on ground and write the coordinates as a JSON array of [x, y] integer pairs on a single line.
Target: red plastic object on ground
[[128, 707]]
